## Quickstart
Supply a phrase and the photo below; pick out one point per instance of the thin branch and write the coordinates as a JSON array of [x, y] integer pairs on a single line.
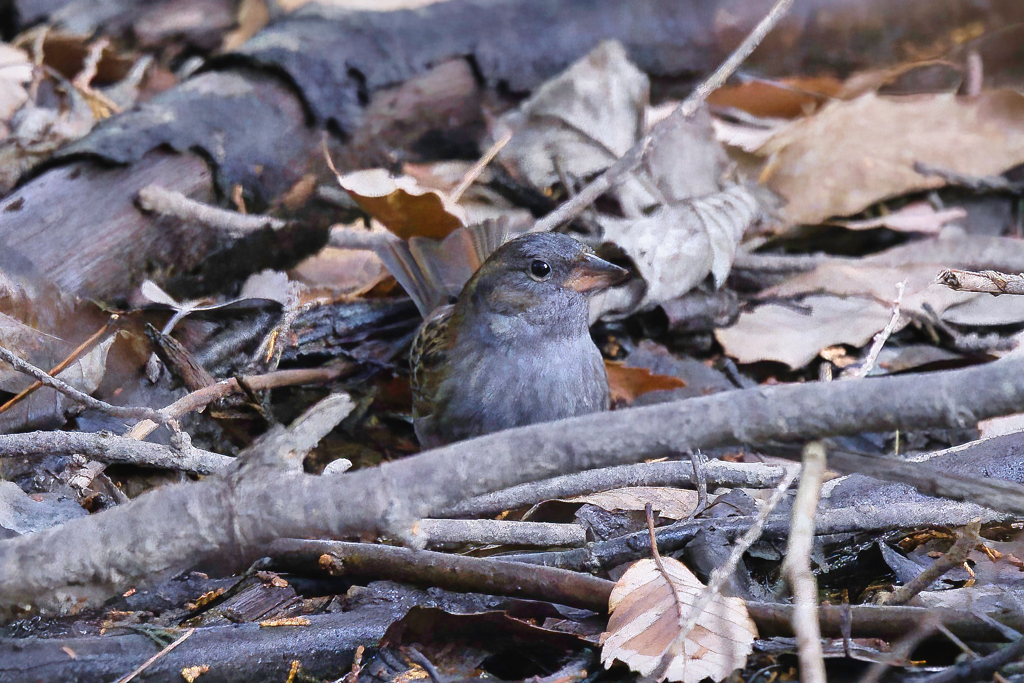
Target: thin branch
[[108, 448], [865, 368], [720, 576], [687, 108], [985, 281], [490, 575], [76, 395], [176, 205], [979, 669], [152, 660], [697, 459], [77, 353], [957, 555], [474, 172], [446, 532], [797, 566], [667, 473], [199, 399]]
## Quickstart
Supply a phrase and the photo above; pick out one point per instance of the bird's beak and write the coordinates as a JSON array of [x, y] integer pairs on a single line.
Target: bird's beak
[[592, 274]]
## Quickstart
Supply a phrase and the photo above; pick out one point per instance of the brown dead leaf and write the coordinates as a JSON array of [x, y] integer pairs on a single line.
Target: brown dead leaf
[[916, 217], [852, 154], [346, 272], [671, 503], [402, 205], [646, 617], [627, 384], [785, 98], [794, 334]]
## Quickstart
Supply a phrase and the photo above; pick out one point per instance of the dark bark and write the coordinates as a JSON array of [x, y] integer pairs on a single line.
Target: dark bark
[[239, 653]]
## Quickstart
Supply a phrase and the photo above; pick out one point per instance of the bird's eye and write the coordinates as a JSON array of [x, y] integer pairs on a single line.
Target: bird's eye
[[540, 270]]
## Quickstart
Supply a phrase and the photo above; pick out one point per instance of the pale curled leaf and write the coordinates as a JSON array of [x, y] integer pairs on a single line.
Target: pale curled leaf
[[402, 205], [679, 245], [645, 624], [579, 122]]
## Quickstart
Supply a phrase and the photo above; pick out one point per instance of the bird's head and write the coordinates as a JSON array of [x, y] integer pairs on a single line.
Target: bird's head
[[541, 278]]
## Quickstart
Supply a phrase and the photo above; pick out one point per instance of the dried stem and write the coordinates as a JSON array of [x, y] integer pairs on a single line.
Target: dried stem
[[171, 203], [985, 281], [957, 555], [76, 395], [797, 566]]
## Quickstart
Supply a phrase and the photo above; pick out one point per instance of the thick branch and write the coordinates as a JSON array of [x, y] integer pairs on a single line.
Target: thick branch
[[236, 516]]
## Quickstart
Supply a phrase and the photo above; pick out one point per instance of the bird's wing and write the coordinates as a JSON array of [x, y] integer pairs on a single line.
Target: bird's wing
[[428, 355]]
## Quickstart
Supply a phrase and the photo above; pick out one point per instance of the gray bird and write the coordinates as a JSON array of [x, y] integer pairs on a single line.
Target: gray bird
[[515, 348]]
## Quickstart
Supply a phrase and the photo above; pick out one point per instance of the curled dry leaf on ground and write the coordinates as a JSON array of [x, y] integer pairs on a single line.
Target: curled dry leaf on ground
[[647, 614]]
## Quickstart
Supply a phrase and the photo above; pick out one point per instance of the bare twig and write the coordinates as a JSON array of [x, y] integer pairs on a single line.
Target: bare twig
[[444, 532], [797, 566], [982, 668], [344, 237], [985, 281], [668, 473], [474, 172], [993, 183], [649, 515], [697, 458], [721, 575], [903, 648], [77, 353], [171, 203], [149, 662], [199, 399], [490, 575], [76, 395], [957, 555], [780, 263], [687, 108], [109, 448], [863, 369]]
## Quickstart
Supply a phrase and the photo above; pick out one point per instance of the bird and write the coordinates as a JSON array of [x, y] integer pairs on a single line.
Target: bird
[[515, 347]]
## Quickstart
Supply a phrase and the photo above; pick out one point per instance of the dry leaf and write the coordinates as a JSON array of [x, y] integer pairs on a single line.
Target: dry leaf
[[794, 334], [784, 98], [646, 617], [402, 206], [579, 122], [916, 217], [671, 503], [15, 74], [347, 272], [679, 245], [627, 383], [852, 154]]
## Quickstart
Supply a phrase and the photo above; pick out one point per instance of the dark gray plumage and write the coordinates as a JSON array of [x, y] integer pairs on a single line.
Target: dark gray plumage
[[515, 348]]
